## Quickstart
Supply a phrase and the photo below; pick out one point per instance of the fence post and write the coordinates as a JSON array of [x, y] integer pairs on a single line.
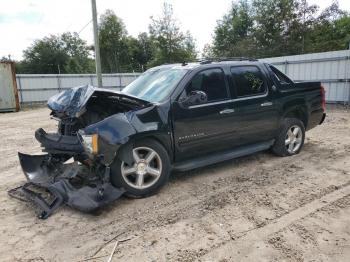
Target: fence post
[[20, 89], [286, 67], [58, 83], [91, 80]]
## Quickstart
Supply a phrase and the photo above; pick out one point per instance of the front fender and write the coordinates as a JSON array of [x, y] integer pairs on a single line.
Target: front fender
[[118, 129], [113, 132]]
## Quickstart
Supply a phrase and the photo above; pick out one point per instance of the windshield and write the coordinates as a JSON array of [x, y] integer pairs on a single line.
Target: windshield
[[155, 84]]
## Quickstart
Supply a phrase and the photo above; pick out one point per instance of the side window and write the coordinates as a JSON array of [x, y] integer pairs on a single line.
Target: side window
[[248, 81], [210, 81], [281, 78]]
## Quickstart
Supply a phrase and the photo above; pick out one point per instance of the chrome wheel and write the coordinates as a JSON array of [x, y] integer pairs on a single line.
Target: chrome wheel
[[146, 169], [294, 138]]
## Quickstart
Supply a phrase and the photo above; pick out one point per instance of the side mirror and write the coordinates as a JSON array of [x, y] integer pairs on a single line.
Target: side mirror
[[195, 97]]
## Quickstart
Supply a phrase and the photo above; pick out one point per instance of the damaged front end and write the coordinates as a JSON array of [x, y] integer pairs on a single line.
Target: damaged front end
[[92, 125]]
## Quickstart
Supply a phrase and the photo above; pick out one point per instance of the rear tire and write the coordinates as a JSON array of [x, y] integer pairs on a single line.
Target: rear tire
[[290, 139], [149, 171]]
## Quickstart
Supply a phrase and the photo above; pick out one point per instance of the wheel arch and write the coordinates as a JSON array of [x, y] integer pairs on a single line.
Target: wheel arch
[[299, 112], [162, 138]]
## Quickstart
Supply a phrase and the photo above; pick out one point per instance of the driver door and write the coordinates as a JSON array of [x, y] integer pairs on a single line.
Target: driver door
[[203, 127]]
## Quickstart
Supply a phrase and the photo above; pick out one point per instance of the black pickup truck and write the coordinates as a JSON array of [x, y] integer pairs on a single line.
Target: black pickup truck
[[172, 117]]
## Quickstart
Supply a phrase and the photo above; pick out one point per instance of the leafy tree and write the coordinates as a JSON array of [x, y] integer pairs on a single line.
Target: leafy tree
[[331, 30], [189, 47], [113, 44], [265, 28], [141, 51], [146, 48], [78, 53], [332, 13], [302, 26], [257, 28], [232, 36], [66, 53], [45, 56], [171, 45], [208, 51], [281, 26]]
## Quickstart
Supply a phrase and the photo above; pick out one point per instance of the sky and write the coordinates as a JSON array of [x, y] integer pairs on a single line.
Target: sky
[[23, 21]]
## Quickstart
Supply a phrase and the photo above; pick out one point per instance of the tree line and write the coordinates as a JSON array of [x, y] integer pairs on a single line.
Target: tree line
[[268, 28], [256, 28]]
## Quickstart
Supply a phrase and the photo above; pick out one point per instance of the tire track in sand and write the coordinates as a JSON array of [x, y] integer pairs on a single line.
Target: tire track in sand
[[244, 243]]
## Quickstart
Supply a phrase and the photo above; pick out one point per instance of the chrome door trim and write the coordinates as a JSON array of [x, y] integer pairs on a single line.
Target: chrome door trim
[[227, 111], [267, 103], [228, 101]]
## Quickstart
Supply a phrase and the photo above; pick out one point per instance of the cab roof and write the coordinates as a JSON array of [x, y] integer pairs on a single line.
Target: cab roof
[[210, 61]]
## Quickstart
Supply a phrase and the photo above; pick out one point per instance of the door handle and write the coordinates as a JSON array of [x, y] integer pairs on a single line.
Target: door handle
[[266, 104], [227, 111]]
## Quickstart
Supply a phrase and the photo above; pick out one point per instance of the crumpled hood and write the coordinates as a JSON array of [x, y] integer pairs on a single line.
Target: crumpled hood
[[71, 102]]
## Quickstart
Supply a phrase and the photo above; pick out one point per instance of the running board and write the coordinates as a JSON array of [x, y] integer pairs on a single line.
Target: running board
[[222, 156]]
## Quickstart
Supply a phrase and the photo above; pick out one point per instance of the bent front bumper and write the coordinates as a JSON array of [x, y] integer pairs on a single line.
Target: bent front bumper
[[52, 183], [56, 143]]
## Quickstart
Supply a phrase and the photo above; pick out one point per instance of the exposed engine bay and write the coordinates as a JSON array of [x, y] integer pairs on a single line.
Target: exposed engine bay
[[100, 106]]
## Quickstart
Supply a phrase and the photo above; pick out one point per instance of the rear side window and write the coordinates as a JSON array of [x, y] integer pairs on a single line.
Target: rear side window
[[212, 82], [248, 81]]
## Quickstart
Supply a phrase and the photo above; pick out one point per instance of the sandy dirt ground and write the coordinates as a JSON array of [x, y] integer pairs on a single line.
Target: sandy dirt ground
[[256, 208]]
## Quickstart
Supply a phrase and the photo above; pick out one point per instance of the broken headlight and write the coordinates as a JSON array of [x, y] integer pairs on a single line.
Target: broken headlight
[[90, 142]]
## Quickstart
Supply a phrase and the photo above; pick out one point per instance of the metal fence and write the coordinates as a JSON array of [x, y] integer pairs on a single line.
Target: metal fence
[[332, 69], [39, 88]]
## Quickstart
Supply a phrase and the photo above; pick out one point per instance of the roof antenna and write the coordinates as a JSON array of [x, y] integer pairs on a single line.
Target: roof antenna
[[184, 63]]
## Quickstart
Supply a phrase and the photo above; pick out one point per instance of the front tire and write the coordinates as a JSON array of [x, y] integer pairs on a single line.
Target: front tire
[[149, 171], [290, 139]]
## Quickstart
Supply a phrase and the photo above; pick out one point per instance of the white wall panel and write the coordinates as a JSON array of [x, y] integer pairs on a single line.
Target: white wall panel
[[39, 88], [332, 69]]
